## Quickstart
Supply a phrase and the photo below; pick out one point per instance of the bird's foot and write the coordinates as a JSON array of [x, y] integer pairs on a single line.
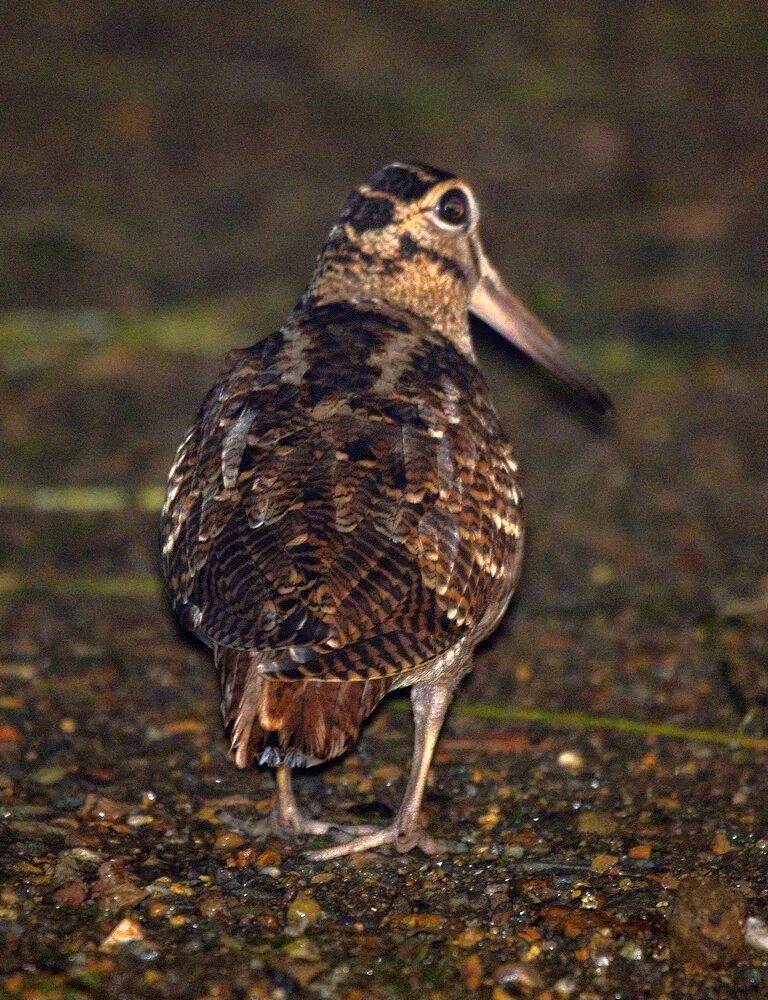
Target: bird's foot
[[290, 826], [277, 824], [401, 840]]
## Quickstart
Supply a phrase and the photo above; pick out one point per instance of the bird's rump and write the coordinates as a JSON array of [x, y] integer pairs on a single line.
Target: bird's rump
[[339, 508]]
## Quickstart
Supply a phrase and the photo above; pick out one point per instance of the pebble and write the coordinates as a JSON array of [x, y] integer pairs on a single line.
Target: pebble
[[707, 924], [140, 819], [518, 979], [227, 840], [721, 844], [469, 937], [211, 904], [268, 859], [73, 893], [50, 774], [418, 921], [572, 760], [99, 807], [126, 931], [603, 862], [115, 889], [302, 912], [302, 948], [472, 972], [756, 933], [632, 952], [596, 822]]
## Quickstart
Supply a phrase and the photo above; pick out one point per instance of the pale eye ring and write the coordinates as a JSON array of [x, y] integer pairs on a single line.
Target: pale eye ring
[[453, 208]]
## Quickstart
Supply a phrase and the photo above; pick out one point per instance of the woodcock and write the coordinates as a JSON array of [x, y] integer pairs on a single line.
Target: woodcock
[[344, 516]]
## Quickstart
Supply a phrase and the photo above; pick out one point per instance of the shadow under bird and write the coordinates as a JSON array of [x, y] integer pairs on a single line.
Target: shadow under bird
[[344, 517]]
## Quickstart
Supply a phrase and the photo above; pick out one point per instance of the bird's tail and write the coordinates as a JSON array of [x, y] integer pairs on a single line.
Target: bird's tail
[[290, 722]]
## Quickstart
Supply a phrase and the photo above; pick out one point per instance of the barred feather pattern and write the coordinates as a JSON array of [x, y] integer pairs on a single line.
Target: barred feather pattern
[[345, 508], [298, 723]]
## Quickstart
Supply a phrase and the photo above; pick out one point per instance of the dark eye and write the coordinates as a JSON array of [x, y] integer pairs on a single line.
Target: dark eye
[[453, 207]]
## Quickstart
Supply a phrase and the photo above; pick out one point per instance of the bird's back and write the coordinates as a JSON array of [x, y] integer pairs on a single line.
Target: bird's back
[[345, 504]]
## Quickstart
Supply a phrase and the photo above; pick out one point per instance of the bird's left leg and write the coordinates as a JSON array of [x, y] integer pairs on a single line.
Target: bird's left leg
[[285, 818], [430, 703]]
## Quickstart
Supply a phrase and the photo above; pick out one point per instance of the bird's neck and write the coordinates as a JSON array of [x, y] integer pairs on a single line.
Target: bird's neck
[[426, 290]]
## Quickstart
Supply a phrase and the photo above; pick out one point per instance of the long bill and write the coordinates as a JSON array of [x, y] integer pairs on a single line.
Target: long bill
[[493, 303]]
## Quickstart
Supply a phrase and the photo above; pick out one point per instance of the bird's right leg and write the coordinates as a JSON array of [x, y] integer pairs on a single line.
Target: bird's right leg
[[430, 703]]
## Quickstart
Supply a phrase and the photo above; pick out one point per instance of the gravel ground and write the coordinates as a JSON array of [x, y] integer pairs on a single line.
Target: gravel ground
[[604, 767]]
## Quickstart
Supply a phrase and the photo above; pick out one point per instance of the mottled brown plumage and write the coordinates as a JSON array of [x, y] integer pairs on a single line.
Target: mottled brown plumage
[[344, 517]]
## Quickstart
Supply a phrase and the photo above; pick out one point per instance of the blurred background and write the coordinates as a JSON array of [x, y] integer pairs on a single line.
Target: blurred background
[[168, 171], [167, 174], [154, 155]]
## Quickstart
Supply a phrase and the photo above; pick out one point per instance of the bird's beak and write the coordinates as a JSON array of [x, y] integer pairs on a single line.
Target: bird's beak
[[493, 303]]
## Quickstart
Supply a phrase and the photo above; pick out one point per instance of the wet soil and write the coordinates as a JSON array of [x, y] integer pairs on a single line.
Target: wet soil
[[643, 604]]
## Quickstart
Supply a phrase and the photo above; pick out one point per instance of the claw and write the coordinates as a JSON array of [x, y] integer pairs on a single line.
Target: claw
[[402, 842], [276, 825]]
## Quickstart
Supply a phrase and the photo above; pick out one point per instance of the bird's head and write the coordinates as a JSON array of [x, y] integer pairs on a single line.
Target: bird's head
[[409, 238]]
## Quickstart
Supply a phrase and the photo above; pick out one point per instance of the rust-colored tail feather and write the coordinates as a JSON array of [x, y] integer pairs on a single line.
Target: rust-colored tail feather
[[290, 722]]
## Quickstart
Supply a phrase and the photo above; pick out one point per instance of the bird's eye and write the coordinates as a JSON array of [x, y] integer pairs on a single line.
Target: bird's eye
[[453, 208]]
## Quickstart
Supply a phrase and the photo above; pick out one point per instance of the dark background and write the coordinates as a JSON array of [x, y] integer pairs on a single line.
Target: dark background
[[157, 154]]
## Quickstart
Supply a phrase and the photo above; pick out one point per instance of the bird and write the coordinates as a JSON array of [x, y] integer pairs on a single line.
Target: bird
[[344, 516]]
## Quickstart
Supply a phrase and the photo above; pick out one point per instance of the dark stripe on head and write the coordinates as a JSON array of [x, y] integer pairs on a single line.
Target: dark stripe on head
[[407, 182], [364, 213], [410, 248]]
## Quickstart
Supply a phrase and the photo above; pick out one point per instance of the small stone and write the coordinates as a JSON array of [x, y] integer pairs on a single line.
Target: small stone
[[242, 858], [472, 972], [73, 893], [180, 889], [99, 807], [304, 949], [469, 937], [228, 840], [85, 855], [571, 760], [126, 931], [298, 971], [158, 908], [418, 921], [518, 979], [50, 774], [596, 822], [211, 904], [591, 900], [756, 933], [603, 862], [721, 843], [115, 889], [139, 819], [303, 911], [707, 924], [268, 859], [642, 851], [565, 987], [322, 878], [632, 952]]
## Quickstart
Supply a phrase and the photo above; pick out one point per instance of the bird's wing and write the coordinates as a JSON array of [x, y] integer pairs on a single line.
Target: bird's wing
[[352, 517]]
